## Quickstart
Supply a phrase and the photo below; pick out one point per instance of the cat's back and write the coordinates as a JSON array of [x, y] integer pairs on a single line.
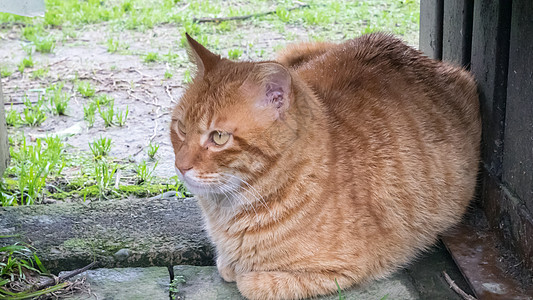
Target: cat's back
[[380, 69], [377, 77], [404, 127]]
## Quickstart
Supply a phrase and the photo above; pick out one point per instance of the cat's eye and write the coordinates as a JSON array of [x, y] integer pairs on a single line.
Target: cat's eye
[[181, 128], [220, 137]]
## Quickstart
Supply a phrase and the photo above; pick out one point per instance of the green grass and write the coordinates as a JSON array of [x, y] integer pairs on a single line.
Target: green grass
[[100, 147], [112, 45], [40, 73], [151, 57], [107, 114], [4, 72], [44, 44], [103, 174], [103, 99], [152, 150], [17, 263], [27, 62], [144, 172], [167, 75], [31, 166], [13, 118], [235, 53], [89, 111], [122, 116], [58, 100], [86, 89], [34, 113], [339, 290]]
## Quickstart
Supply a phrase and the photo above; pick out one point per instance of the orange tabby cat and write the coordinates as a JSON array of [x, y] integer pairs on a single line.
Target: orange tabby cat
[[335, 162]]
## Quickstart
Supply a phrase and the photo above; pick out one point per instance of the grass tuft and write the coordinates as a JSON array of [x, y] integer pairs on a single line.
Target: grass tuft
[[151, 57], [86, 89], [100, 147]]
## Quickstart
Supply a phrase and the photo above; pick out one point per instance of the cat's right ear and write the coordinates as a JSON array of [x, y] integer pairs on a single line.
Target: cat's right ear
[[205, 60], [269, 87]]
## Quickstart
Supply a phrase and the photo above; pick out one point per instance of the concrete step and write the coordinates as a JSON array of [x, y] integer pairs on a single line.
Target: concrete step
[[135, 240], [422, 280], [204, 283]]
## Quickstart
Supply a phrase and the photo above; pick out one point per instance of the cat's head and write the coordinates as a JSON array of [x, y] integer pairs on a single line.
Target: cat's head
[[230, 124]]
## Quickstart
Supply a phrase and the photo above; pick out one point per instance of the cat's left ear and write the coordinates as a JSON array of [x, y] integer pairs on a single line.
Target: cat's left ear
[[205, 60], [269, 85]]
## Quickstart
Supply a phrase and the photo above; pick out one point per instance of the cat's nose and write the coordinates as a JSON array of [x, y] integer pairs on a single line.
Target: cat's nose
[[183, 169]]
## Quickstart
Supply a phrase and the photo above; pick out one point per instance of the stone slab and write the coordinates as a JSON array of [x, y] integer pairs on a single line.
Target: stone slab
[[126, 283], [421, 280], [203, 283], [125, 233]]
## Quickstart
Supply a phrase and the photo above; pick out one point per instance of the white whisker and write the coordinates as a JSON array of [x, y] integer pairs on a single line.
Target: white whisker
[[251, 190]]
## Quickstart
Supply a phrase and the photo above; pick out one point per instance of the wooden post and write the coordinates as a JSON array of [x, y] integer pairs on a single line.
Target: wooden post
[[4, 147], [457, 31], [430, 38], [489, 64]]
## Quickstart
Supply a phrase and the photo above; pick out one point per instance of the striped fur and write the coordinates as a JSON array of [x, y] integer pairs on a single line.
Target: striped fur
[[371, 154]]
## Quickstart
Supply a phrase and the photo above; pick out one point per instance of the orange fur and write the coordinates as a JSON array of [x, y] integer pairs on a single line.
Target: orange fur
[[344, 161]]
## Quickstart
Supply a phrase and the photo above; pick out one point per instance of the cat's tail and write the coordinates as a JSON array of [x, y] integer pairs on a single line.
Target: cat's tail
[[290, 285], [298, 54]]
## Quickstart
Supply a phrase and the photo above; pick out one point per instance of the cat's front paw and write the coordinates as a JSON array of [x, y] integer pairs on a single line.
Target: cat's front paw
[[226, 271]]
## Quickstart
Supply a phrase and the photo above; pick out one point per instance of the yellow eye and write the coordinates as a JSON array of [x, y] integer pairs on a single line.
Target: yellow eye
[[181, 127], [220, 137]]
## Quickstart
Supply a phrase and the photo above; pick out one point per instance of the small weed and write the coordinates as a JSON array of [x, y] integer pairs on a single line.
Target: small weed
[[225, 26], [32, 164], [173, 287], [86, 89], [100, 147], [234, 53], [28, 48], [144, 173], [127, 6], [13, 118], [121, 116], [89, 113], [112, 45], [168, 74], [4, 72], [315, 17], [170, 57], [39, 73], [44, 44], [58, 99], [103, 99], [283, 14], [339, 291], [108, 114], [103, 174], [17, 263], [26, 63], [29, 32], [151, 57], [152, 150], [34, 115]]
